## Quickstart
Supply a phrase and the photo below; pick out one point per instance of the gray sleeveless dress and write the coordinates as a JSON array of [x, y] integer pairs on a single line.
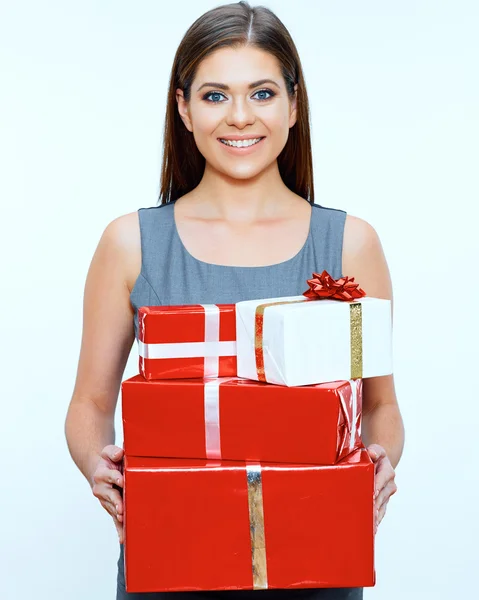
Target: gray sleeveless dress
[[171, 275]]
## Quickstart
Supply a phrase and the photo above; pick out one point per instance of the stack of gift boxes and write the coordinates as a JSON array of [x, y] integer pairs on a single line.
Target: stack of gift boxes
[[244, 466]]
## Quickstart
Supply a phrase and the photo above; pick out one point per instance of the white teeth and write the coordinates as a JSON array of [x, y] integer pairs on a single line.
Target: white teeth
[[240, 143]]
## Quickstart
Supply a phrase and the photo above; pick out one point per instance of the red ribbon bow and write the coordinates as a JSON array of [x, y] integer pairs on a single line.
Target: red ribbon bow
[[324, 286]]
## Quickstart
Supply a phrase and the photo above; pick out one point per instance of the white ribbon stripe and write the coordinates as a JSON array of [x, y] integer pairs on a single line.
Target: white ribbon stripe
[[141, 326], [187, 349], [212, 335], [212, 418], [354, 399]]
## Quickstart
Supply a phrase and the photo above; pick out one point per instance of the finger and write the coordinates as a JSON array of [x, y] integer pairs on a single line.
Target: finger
[[116, 501], [104, 475], [100, 490], [112, 511], [110, 476], [105, 492], [381, 512], [382, 464], [382, 477], [119, 530], [112, 452], [117, 517], [111, 501], [101, 475], [388, 490], [376, 451], [115, 477], [109, 507], [383, 495]]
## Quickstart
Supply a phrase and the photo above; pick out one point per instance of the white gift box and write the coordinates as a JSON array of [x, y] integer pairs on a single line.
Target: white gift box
[[303, 342]]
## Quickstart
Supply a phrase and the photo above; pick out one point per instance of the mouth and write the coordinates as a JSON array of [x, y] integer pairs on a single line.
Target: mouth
[[241, 149]]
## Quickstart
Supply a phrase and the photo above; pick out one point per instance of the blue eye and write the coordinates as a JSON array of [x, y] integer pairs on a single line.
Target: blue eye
[[267, 92], [206, 96]]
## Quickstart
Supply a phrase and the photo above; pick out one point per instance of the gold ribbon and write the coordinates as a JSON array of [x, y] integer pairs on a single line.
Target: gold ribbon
[[258, 334], [256, 525], [356, 328], [356, 336]]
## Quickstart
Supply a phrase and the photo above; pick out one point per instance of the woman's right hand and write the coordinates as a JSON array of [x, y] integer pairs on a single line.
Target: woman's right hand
[[107, 475]]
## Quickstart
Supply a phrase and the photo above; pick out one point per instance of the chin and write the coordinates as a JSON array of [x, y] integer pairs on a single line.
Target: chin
[[238, 171], [247, 173]]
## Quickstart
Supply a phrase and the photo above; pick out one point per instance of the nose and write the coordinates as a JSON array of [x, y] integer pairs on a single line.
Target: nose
[[240, 113]]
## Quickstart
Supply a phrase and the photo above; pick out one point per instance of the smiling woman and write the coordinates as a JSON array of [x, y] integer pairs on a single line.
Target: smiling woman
[[246, 118], [236, 220]]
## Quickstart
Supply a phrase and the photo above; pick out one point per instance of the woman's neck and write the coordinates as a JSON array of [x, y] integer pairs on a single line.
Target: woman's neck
[[249, 199]]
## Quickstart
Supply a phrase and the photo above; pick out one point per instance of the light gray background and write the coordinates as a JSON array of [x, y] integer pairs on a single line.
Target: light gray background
[[394, 97]]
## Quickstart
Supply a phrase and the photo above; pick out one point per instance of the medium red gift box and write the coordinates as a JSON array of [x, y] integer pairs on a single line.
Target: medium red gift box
[[187, 341], [228, 525], [240, 419]]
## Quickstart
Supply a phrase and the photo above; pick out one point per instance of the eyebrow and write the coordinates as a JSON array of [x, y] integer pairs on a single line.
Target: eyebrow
[[223, 86]]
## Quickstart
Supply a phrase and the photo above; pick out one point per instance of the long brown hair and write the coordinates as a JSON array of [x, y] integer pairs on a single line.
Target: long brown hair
[[234, 25]]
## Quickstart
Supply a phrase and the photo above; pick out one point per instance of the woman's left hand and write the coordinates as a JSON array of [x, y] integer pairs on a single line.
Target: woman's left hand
[[385, 486]]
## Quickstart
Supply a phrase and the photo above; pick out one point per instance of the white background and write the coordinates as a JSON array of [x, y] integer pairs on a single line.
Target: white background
[[394, 94]]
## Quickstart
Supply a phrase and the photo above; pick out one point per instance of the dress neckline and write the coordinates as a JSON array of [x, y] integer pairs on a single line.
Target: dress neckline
[[244, 267]]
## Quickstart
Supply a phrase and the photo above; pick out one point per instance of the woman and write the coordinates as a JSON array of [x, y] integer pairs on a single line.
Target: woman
[[234, 223]]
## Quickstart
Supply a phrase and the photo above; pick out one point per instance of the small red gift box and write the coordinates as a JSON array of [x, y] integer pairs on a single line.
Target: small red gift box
[[227, 525], [239, 419], [187, 341]]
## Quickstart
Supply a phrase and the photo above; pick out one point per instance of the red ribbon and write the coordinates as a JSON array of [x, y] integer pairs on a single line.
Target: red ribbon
[[324, 286]]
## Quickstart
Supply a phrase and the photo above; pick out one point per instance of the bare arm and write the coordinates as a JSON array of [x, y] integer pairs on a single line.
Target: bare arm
[[382, 421], [382, 425], [107, 339]]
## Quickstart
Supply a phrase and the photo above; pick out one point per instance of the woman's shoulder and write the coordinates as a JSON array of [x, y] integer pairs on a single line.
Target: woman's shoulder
[[359, 235], [357, 232], [123, 240], [363, 257], [124, 232]]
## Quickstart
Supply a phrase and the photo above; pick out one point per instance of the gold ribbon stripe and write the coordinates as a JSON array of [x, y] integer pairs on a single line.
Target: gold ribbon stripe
[[256, 525], [258, 334], [356, 327]]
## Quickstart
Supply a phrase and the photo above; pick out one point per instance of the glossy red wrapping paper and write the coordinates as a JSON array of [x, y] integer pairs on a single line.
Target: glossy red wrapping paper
[[187, 341], [187, 524], [317, 424]]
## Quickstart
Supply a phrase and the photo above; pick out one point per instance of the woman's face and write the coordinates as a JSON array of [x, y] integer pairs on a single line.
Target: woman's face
[[223, 105]]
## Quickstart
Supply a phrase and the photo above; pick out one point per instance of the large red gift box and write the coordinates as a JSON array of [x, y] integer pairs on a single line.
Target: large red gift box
[[228, 525], [187, 341], [240, 419]]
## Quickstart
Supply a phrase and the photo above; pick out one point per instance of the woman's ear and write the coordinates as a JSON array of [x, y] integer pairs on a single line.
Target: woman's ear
[[183, 109], [294, 105]]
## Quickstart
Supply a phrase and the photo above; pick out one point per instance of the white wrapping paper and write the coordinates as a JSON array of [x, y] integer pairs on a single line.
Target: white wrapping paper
[[304, 343]]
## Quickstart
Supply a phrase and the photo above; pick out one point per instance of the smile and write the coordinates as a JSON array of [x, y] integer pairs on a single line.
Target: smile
[[240, 147], [241, 143]]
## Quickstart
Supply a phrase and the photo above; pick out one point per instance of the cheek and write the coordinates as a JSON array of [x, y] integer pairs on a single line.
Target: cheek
[[206, 120], [276, 122]]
